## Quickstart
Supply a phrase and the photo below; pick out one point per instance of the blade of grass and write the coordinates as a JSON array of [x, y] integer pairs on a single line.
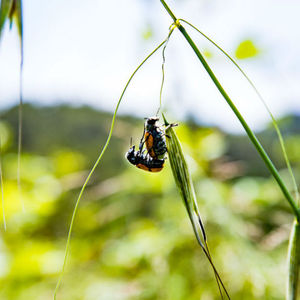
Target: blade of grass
[[248, 130], [294, 242], [294, 262], [185, 186], [274, 122], [97, 163]]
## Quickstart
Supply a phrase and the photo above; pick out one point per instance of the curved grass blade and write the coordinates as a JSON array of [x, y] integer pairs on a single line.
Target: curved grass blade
[[294, 262], [274, 122], [96, 164], [185, 186]]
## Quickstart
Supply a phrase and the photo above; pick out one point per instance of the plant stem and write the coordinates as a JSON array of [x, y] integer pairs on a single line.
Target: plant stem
[[294, 262], [250, 133], [276, 127]]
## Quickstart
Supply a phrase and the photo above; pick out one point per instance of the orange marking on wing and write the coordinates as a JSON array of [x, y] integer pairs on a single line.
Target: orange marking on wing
[[149, 144], [145, 168], [156, 169]]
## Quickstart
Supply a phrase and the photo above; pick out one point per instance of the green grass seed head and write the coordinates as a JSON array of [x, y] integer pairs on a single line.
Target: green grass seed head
[[184, 181], [185, 186]]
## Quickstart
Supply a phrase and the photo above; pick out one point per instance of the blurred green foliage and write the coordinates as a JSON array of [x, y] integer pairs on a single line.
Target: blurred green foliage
[[132, 238]]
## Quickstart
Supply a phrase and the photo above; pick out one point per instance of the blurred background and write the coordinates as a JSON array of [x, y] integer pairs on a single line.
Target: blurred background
[[132, 238]]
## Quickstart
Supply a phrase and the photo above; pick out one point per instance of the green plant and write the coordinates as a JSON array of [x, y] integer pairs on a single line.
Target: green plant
[[191, 206], [12, 9], [295, 239]]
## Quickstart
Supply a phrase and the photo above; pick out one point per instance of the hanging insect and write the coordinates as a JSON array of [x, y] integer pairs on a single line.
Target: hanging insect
[[152, 158], [144, 161]]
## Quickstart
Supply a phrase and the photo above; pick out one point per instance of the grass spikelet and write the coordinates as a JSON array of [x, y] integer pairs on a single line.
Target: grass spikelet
[[185, 186]]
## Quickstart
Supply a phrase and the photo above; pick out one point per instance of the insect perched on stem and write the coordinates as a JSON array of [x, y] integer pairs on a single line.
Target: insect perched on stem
[[153, 139]]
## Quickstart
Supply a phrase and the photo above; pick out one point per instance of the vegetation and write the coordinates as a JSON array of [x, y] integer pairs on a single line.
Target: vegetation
[[47, 181], [132, 239]]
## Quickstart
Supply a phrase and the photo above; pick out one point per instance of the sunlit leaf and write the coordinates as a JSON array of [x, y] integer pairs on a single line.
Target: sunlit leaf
[[246, 49], [17, 16], [4, 12], [12, 10]]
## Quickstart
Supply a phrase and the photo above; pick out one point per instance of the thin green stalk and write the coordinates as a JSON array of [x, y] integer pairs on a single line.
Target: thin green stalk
[[294, 262], [2, 188], [20, 125], [96, 164], [274, 122], [249, 132], [11, 10], [163, 68], [19, 23]]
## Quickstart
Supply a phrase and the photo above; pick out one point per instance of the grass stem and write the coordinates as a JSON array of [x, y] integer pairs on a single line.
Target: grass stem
[[274, 122], [249, 132]]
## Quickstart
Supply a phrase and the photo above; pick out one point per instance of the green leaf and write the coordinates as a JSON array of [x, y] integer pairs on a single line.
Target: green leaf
[[246, 49], [17, 16], [12, 10], [5, 9]]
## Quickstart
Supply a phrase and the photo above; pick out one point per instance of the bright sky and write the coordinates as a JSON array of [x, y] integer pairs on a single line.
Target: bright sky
[[83, 52]]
